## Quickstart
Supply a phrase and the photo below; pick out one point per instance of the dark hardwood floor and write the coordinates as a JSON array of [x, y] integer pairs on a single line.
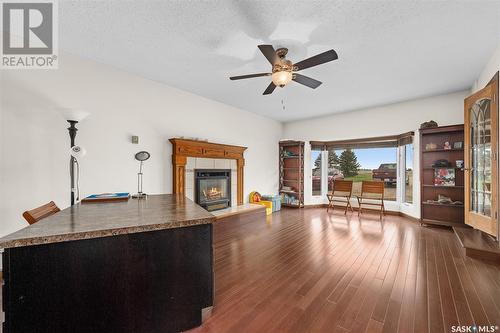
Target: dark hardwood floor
[[311, 271]]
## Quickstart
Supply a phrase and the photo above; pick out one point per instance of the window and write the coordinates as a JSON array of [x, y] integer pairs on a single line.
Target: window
[[364, 164], [316, 171], [379, 158], [333, 168], [408, 167]]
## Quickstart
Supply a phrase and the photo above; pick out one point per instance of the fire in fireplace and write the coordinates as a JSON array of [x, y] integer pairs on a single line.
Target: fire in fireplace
[[213, 189]]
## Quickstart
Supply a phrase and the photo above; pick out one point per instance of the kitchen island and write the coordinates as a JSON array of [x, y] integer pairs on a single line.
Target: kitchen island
[[131, 266]]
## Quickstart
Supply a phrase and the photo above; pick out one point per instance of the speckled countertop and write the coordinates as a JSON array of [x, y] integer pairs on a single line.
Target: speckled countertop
[[92, 220]]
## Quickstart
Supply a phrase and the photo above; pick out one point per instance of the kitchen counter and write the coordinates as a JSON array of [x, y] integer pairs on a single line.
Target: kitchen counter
[[131, 266], [92, 220]]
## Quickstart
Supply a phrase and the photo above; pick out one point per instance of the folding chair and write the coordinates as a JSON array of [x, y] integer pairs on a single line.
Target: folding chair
[[35, 215], [341, 189], [373, 191]]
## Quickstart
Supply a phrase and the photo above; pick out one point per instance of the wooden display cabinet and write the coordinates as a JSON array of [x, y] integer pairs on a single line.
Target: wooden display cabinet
[[447, 214]]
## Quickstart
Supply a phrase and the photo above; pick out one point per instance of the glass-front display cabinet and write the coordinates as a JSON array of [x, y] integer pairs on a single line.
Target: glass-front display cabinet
[[481, 165]]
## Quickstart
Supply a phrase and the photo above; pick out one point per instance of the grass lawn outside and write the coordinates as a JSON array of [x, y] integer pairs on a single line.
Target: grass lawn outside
[[362, 175], [389, 191]]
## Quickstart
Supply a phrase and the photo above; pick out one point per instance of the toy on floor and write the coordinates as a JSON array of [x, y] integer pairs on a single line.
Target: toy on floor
[[256, 198], [275, 199]]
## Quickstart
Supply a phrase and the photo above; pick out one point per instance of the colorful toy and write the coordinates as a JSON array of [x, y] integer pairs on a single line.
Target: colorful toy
[[256, 198]]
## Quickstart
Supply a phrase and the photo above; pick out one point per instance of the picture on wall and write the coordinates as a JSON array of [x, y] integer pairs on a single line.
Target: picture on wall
[[444, 177]]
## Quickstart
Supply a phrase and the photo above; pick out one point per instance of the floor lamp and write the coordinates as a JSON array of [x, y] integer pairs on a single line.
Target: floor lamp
[[73, 116]]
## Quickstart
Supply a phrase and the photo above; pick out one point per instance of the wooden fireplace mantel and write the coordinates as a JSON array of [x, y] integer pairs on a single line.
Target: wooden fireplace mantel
[[184, 148]]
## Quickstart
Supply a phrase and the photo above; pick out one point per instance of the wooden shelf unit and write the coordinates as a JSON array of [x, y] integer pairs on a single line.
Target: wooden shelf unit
[[291, 171], [434, 213]]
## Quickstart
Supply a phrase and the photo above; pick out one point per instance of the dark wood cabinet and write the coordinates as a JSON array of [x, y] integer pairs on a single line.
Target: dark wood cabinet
[[432, 149], [156, 281]]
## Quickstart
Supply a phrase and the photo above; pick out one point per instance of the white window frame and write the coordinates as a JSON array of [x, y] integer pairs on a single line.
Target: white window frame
[[402, 175], [324, 175], [398, 205]]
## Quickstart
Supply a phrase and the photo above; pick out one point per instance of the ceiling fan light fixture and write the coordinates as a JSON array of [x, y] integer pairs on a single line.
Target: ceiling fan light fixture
[[282, 78], [283, 70]]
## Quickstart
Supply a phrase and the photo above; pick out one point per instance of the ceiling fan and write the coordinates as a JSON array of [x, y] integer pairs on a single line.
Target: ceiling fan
[[284, 70]]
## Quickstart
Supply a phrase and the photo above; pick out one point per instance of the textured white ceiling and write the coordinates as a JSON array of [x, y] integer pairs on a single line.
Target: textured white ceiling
[[389, 51]]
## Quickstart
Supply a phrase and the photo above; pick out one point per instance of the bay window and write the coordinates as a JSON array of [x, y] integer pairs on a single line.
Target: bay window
[[365, 160]]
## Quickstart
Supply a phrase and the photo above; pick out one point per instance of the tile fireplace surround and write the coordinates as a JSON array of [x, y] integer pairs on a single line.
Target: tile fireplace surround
[[194, 163], [189, 155]]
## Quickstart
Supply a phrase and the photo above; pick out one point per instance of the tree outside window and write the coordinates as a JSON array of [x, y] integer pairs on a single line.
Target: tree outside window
[[363, 164]]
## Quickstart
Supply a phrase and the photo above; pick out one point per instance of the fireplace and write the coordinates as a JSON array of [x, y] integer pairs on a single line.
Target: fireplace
[[213, 188]]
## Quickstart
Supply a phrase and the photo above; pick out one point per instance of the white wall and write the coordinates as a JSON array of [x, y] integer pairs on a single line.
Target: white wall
[[34, 140], [489, 70], [385, 120]]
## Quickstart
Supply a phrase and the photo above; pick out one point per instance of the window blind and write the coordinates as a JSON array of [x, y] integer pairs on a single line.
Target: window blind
[[376, 142]]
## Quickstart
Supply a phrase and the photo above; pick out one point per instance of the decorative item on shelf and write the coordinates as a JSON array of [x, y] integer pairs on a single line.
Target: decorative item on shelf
[[288, 154], [447, 145], [431, 146], [442, 163], [141, 157], [458, 145], [444, 177], [444, 200], [289, 199], [428, 124], [106, 197], [459, 164]]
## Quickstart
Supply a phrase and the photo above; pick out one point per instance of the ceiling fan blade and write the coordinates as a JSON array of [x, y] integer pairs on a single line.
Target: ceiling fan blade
[[269, 52], [249, 76], [317, 60], [270, 88], [306, 80]]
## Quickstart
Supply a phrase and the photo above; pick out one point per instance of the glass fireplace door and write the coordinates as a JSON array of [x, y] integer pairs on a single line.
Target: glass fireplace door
[[481, 133], [213, 189]]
